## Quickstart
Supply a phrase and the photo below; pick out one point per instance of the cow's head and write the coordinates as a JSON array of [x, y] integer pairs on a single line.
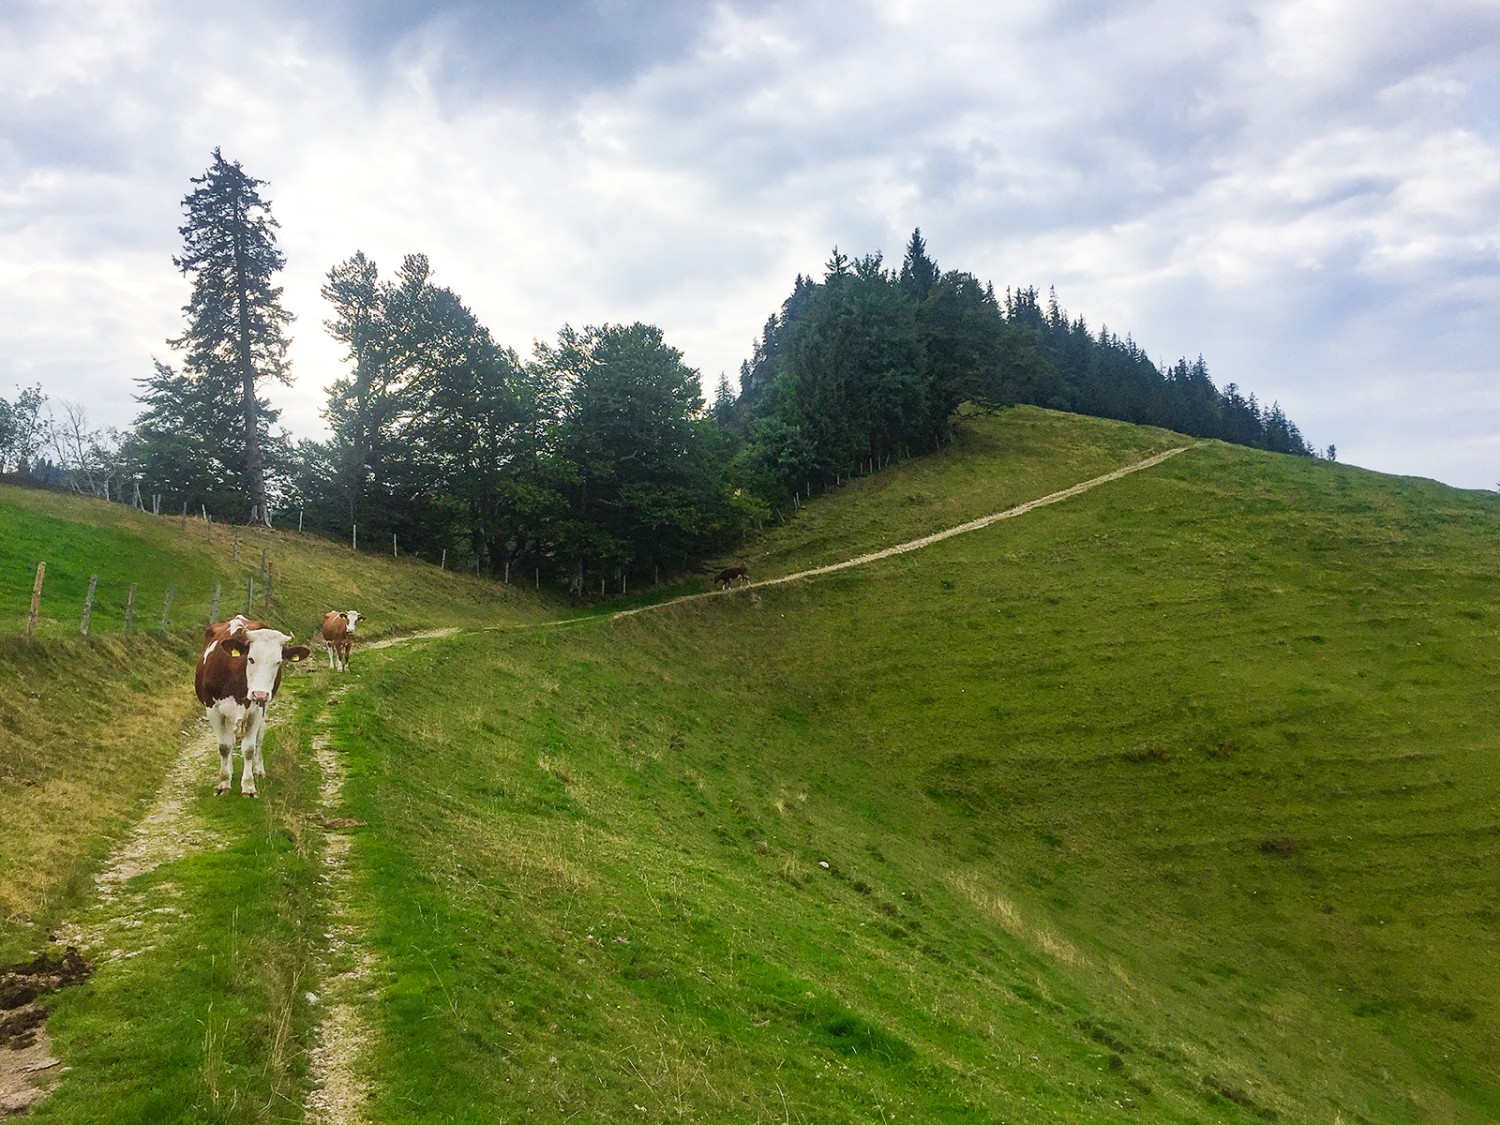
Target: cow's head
[[352, 617], [264, 651]]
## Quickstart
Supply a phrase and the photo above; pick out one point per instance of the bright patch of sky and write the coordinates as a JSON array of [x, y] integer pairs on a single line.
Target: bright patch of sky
[[1305, 193]]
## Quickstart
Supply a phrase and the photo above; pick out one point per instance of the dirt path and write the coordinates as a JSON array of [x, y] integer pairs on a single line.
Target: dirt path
[[928, 540], [337, 1092], [122, 922]]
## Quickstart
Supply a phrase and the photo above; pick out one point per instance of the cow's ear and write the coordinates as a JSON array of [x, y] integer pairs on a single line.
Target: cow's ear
[[295, 653], [235, 646]]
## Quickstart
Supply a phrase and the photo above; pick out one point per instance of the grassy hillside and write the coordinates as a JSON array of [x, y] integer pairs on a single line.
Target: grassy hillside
[[87, 725], [1177, 798]]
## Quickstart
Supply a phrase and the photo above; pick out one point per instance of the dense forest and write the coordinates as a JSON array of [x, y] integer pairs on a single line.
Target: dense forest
[[595, 461]]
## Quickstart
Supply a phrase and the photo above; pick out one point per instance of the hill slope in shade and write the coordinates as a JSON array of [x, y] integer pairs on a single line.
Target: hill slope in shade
[[1177, 801]]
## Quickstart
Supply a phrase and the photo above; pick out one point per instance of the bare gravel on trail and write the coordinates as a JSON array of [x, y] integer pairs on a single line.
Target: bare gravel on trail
[[338, 1091]]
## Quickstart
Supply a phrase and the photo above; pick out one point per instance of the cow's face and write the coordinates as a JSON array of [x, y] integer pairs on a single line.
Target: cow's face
[[264, 650], [352, 617]]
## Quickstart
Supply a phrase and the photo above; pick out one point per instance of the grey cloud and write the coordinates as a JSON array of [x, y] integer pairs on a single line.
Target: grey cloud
[[1305, 194], [544, 52]]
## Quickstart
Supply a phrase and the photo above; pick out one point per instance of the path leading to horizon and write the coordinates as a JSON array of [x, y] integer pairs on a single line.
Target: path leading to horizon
[[926, 540]]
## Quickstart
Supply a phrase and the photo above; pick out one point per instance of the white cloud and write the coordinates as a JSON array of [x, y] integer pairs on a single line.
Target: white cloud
[[1275, 186]]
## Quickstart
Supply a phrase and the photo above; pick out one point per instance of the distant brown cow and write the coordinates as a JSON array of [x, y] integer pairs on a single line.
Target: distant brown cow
[[731, 574], [338, 632], [236, 680]]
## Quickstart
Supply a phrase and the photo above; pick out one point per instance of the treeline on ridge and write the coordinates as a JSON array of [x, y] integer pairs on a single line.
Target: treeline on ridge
[[594, 462], [871, 362]]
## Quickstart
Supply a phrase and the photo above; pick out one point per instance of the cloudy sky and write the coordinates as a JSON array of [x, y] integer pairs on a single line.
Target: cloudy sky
[[1305, 193]]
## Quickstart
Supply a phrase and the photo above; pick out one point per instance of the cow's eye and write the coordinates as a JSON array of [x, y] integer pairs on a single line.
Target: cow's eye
[[251, 659]]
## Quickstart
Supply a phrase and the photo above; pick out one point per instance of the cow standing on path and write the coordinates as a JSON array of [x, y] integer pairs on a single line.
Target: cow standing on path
[[730, 575], [236, 680], [338, 633]]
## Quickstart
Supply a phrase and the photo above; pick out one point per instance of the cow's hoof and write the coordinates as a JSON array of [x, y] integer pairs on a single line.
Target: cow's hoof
[[249, 793], [220, 790], [260, 773]]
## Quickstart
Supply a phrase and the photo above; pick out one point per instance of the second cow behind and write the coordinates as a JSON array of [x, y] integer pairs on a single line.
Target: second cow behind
[[338, 634]]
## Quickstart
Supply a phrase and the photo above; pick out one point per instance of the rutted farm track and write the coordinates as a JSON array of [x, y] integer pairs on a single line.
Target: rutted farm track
[[131, 916]]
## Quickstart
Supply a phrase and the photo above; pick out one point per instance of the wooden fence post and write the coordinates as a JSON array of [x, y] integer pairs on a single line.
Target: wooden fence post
[[88, 605], [270, 581], [129, 608], [213, 613], [444, 564], [354, 537], [36, 599], [236, 545], [249, 594], [393, 545], [300, 512], [166, 609]]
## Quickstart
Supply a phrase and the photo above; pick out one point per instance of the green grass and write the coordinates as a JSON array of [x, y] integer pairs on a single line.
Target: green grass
[[1176, 801], [88, 724], [199, 1011], [1042, 452], [79, 538]]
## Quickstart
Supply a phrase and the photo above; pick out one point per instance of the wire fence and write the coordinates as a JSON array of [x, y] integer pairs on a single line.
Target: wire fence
[[127, 609]]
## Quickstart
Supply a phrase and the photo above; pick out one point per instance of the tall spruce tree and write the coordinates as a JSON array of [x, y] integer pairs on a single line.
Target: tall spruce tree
[[919, 273], [235, 335]]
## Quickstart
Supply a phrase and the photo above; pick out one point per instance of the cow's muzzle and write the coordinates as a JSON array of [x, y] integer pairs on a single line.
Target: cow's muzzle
[[260, 697]]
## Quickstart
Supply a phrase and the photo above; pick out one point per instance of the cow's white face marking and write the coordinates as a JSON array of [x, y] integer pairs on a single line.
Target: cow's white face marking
[[262, 662], [353, 615]]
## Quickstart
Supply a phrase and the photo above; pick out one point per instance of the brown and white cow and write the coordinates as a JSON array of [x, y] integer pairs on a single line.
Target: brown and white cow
[[236, 680], [338, 632]]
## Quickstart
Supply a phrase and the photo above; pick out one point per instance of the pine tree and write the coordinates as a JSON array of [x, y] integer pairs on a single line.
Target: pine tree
[[723, 401], [919, 273], [235, 334]]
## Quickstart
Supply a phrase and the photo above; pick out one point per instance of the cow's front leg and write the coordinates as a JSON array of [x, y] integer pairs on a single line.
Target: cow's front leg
[[223, 726], [254, 767], [333, 660]]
